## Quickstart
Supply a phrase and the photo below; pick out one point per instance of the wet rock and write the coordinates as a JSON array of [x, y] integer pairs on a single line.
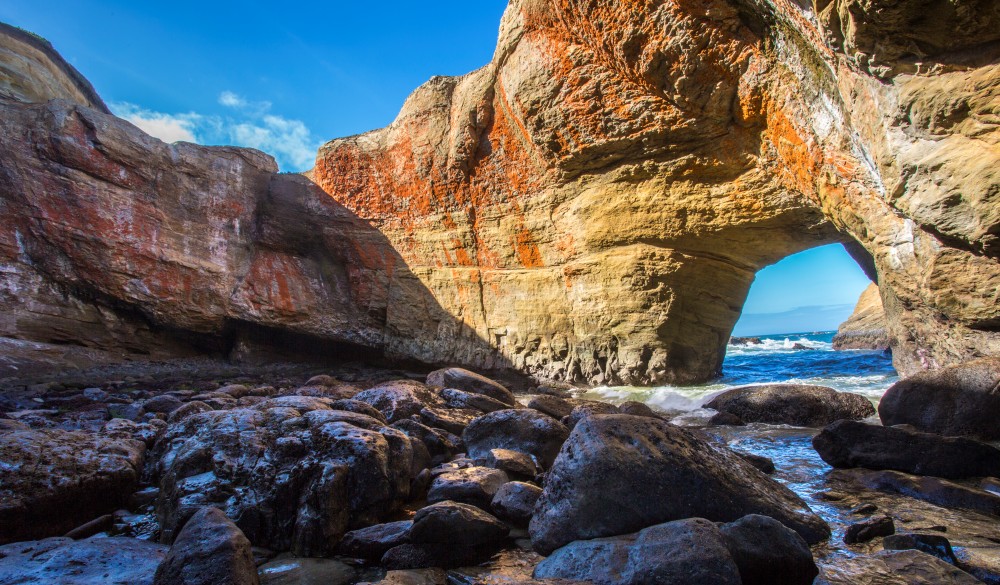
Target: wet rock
[[555, 406], [933, 490], [452, 420], [637, 409], [54, 481], [456, 524], [307, 572], [163, 403], [95, 561], [764, 464], [908, 567], [467, 400], [768, 553], [792, 404], [855, 444], [439, 446], [291, 473], [683, 551], [471, 382], [359, 407], [592, 489], [474, 485], [425, 556], [99, 524], [515, 502], [932, 544], [373, 542], [587, 410], [210, 550], [413, 577], [869, 529], [960, 400], [513, 463], [720, 419], [235, 390], [398, 400], [188, 409], [523, 430]]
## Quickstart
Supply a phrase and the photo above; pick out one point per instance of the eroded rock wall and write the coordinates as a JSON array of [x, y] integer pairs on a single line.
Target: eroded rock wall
[[112, 240], [595, 202]]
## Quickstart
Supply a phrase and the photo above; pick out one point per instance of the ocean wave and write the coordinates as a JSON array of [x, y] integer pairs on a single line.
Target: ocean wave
[[786, 344]]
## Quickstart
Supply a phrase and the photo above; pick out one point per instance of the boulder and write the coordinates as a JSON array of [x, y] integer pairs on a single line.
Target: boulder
[[932, 544], [524, 430], [425, 556], [768, 553], [373, 542], [291, 473], [453, 420], [210, 550], [468, 400], [398, 400], [95, 561], [869, 529], [515, 502], [513, 463], [555, 406], [939, 492], [683, 551], [637, 409], [792, 404], [163, 403], [856, 444], [620, 473], [54, 480], [471, 382], [473, 485], [188, 409], [439, 446], [588, 409], [909, 567], [457, 524], [413, 577], [359, 407], [960, 400]]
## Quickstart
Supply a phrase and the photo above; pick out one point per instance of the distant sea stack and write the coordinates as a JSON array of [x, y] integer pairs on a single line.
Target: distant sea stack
[[866, 328], [592, 206]]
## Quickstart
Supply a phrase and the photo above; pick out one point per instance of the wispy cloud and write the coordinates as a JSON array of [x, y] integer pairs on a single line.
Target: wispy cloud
[[249, 124]]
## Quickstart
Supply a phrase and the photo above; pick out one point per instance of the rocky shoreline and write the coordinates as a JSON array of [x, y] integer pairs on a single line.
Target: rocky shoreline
[[367, 474]]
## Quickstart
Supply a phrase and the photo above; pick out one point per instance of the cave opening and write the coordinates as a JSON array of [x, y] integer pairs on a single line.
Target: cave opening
[[812, 291]]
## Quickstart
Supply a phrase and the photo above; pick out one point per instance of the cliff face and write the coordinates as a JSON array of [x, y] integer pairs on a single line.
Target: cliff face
[[592, 205], [866, 327], [115, 241], [596, 201]]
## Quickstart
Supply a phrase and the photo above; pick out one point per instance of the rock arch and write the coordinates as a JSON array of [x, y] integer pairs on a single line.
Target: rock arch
[[594, 202]]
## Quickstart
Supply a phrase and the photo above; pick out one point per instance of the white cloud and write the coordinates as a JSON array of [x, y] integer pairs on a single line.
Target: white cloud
[[232, 100], [166, 127], [289, 141]]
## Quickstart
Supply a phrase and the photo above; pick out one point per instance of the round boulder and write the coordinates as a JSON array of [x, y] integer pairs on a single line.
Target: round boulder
[[960, 400], [800, 405], [525, 430]]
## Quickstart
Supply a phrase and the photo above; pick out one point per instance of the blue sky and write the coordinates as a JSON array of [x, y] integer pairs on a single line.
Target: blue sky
[[286, 77], [282, 77], [815, 290]]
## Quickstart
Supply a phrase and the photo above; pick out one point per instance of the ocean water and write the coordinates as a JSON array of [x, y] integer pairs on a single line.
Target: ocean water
[[779, 358]]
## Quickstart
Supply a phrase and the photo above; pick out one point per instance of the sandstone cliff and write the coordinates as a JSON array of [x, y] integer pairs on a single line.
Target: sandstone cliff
[[596, 201], [592, 205], [866, 327], [112, 240]]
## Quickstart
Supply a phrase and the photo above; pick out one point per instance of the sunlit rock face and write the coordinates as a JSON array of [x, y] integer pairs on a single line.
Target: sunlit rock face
[[595, 202]]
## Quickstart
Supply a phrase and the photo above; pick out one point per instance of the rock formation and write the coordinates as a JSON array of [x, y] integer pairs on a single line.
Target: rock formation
[[596, 201], [590, 206], [866, 327]]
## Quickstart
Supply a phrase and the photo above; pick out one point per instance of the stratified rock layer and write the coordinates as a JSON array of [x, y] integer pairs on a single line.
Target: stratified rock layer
[[866, 327]]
